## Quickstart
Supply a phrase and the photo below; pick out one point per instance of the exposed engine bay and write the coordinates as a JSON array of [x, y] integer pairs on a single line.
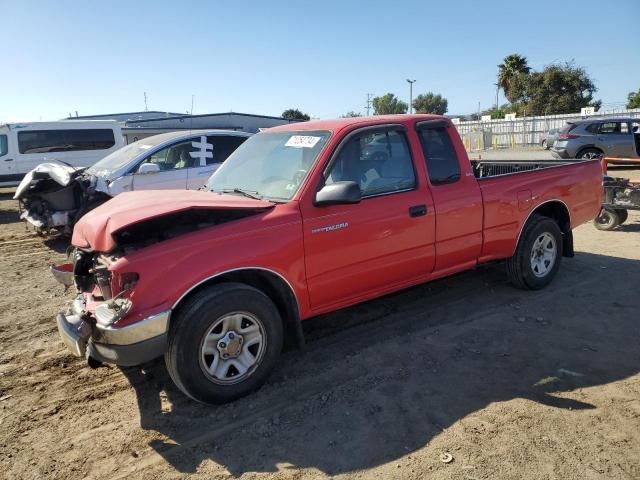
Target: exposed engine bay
[[166, 227], [54, 196]]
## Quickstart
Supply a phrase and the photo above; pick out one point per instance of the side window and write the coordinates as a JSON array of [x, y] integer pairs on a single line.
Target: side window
[[439, 155], [593, 128], [610, 127], [173, 157], [48, 141], [379, 162], [4, 146], [223, 146]]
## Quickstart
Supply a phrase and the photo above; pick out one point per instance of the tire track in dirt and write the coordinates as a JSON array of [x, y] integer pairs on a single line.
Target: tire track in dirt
[[365, 339]]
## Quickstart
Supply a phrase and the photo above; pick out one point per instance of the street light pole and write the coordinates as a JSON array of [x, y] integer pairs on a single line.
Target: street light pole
[[411, 82]]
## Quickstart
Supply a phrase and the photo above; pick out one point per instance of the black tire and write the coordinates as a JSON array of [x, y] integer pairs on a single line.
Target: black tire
[[519, 268], [545, 145], [193, 321], [607, 219], [622, 215], [590, 154]]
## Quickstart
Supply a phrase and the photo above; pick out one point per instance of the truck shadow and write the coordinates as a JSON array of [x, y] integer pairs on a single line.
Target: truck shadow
[[382, 379]]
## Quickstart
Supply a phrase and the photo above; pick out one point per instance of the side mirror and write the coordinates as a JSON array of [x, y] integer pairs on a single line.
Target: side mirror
[[148, 168], [338, 193]]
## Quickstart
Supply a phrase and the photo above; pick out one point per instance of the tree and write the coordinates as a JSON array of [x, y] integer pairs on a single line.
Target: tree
[[559, 88], [513, 65], [388, 104], [496, 113], [351, 114], [430, 103], [634, 99], [295, 114]]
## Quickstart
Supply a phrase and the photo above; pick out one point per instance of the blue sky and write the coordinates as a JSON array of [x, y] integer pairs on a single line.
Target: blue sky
[[322, 57]]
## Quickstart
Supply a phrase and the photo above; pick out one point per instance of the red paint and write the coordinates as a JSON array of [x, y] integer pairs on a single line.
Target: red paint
[[382, 248]]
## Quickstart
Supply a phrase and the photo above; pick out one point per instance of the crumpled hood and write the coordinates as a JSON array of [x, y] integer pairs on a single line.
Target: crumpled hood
[[58, 172], [95, 229]]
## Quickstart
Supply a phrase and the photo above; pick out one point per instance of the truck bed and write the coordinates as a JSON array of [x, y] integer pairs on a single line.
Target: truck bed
[[487, 169]]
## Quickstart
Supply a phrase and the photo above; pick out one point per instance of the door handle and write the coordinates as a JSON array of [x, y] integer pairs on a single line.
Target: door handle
[[8, 159], [417, 211]]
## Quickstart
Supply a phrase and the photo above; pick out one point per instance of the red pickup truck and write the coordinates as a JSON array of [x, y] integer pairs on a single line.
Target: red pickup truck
[[302, 220]]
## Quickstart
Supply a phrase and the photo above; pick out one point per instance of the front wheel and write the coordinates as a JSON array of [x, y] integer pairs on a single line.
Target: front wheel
[[538, 254], [223, 343]]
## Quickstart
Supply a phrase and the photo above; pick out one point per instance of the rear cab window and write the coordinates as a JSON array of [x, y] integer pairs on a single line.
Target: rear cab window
[[439, 155]]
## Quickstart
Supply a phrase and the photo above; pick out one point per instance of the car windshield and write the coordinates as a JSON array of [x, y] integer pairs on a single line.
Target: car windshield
[[124, 155], [270, 165]]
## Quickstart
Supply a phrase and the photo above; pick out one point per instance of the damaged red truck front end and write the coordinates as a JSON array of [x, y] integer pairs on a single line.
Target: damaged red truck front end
[[105, 322]]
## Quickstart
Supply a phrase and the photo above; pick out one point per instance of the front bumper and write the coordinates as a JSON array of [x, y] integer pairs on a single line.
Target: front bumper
[[129, 345]]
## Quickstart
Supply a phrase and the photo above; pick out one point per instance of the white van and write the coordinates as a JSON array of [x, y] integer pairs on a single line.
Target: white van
[[23, 146]]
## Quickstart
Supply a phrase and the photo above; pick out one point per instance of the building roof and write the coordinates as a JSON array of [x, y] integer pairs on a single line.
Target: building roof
[[145, 112], [183, 116]]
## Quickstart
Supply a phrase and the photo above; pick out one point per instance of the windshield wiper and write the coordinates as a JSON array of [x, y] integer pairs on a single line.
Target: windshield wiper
[[247, 193]]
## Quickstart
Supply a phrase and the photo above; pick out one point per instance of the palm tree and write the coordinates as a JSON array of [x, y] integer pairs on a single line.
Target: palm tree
[[513, 66]]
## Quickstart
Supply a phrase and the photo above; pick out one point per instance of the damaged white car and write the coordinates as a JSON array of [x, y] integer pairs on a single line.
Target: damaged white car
[[53, 196]]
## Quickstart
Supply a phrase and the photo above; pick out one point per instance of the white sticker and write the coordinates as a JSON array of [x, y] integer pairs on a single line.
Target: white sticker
[[145, 147], [205, 150], [302, 141]]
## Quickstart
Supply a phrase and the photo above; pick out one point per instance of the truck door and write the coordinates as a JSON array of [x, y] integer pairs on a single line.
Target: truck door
[[172, 161], [456, 196], [353, 251]]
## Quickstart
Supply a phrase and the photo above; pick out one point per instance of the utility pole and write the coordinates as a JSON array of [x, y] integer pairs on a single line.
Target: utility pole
[[145, 102], [411, 82], [369, 95], [497, 91]]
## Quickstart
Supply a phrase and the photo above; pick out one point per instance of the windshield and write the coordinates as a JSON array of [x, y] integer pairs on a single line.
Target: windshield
[[120, 158], [270, 165]]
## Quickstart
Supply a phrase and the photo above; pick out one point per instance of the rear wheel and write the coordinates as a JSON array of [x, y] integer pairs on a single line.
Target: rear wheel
[[591, 154], [223, 343], [608, 219], [538, 254], [545, 145]]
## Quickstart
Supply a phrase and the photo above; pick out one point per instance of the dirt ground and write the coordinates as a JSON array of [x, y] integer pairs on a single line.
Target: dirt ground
[[511, 384]]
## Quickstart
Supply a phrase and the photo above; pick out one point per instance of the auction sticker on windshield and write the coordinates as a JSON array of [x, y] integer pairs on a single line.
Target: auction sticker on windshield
[[302, 141]]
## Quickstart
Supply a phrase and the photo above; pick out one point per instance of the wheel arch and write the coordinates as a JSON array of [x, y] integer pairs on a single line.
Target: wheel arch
[[588, 147], [269, 282], [557, 210]]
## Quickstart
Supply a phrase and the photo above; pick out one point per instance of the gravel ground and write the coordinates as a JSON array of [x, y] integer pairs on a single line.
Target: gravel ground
[[510, 384]]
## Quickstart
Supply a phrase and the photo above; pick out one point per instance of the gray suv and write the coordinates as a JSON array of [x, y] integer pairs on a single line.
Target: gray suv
[[595, 138]]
